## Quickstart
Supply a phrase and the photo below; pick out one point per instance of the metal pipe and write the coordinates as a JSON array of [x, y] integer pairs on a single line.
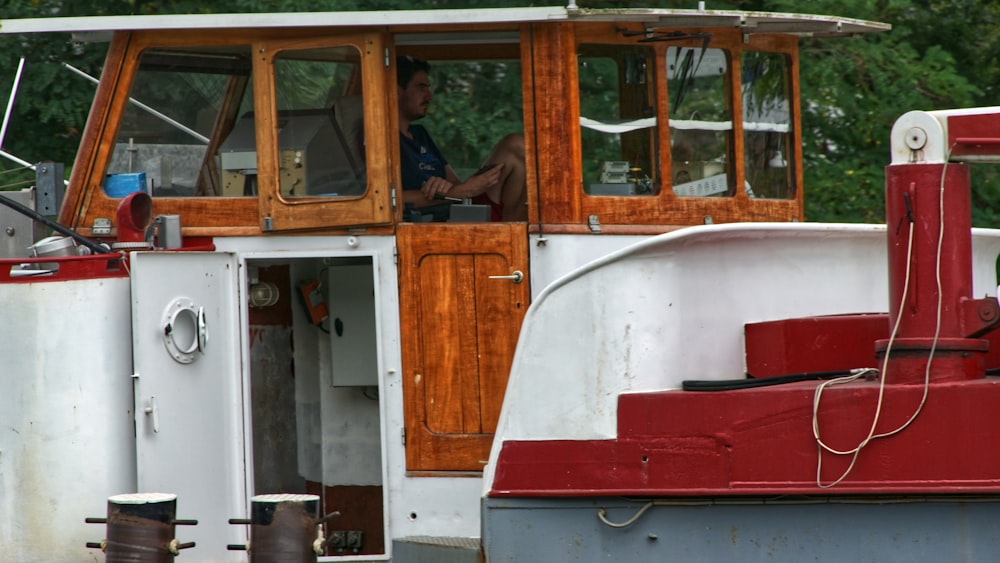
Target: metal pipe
[[20, 161], [23, 162], [10, 101], [94, 246], [148, 109]]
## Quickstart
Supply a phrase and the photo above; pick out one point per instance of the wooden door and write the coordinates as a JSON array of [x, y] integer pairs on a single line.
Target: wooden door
[[459, 328]]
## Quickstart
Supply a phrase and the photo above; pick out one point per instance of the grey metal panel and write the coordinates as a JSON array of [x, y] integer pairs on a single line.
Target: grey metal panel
[[824, 531], [17, 231], [420, 549], [51, 187]]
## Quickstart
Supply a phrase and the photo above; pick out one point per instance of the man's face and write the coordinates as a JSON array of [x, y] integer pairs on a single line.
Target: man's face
[[415, 98]]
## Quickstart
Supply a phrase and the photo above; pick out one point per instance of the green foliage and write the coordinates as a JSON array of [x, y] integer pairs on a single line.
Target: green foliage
[[52, 103], [940, 54], [853, 90], [475, 105]]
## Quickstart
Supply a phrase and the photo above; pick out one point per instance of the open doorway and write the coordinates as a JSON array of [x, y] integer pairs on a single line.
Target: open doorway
[[314, 392]]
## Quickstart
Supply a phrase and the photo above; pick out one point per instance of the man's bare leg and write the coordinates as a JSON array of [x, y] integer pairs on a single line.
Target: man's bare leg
[[511, 190]]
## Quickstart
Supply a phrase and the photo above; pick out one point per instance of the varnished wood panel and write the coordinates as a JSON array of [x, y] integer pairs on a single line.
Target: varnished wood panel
[[74, 207], [86, 201], [557, 110], [360, 509], [312, 213], [561, 200], [551, 109], [459, 330]]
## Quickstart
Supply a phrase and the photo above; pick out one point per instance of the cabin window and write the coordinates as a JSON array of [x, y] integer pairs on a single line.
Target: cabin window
[[320, 122], [476, 103], [182, 102], [618, 133], [701, 122], [767, 125]]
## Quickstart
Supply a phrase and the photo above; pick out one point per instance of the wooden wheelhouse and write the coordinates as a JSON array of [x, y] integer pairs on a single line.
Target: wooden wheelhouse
[[635, 121]]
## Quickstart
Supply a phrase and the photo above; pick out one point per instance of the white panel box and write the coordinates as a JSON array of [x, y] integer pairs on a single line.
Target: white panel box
[[353, 339]]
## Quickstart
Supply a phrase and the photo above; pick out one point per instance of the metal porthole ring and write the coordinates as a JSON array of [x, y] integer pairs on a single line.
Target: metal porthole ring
[[184, 331]]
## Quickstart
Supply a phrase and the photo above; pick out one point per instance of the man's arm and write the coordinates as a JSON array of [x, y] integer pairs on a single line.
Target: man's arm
[[452, 186]]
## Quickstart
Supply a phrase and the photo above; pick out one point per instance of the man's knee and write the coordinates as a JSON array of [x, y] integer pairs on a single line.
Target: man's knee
[[512, 144]]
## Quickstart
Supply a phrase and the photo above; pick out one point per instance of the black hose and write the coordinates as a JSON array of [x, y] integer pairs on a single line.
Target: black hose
[[24, 210], [750, 383]]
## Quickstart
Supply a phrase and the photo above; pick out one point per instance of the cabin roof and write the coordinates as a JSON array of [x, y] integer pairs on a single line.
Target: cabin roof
[[750, 22]]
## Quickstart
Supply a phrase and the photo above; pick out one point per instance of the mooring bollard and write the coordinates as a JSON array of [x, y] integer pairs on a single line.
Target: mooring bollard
[[284, 529], [140, 529]]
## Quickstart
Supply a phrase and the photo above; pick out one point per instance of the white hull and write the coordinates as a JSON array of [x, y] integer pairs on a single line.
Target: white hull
[[66, 428]]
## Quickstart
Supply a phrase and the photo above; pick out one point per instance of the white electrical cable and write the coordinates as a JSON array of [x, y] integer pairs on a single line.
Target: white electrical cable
[[854, 452]]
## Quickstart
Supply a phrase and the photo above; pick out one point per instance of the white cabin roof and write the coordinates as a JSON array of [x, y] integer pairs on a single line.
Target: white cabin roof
[[750, 22]]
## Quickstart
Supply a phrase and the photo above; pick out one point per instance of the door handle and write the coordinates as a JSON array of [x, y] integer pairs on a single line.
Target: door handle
[[516, 277], [151, 412]]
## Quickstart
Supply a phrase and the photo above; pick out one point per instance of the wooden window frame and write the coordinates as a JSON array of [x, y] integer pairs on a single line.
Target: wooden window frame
[[239, 216], [279, 213], [564, 207]]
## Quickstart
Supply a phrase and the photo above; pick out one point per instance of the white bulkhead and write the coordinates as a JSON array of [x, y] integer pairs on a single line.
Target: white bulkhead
[[66, 427]]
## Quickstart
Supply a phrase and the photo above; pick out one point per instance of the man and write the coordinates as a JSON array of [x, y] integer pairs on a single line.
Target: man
[[426, 173]]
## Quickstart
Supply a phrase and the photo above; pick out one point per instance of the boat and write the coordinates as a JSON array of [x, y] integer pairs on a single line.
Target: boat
[[237, 313]]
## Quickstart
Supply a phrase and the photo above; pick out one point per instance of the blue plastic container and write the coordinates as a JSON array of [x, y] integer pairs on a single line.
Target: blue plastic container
[[120, 185]]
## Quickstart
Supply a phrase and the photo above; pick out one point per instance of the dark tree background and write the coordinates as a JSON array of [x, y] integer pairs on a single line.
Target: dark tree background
[[940, 54]]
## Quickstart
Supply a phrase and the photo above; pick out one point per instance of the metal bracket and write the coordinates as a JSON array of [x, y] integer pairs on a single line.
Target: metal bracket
[[101, 227], [50, 187], [594, 223]]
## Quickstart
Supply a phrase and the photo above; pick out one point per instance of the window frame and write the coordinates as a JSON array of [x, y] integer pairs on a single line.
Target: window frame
[[278, 213], [566, 208], [87, 205]]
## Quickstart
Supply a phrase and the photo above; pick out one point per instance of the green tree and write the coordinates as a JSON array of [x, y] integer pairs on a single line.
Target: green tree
[[853, 90], [939, 54]]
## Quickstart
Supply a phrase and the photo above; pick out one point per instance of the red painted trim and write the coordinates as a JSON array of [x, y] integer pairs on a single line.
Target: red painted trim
[[70, 268], [760, 442], [814, 344], [973, 134], [88, 267]]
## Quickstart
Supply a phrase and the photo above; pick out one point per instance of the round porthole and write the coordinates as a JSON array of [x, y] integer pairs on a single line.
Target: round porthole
[[184, 331]]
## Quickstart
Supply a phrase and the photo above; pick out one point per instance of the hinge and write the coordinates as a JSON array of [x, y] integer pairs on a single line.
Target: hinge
[[594, 223], [386, 57], [392, 197], [268, 224], [395, 255], [402, 435], [101, 227]]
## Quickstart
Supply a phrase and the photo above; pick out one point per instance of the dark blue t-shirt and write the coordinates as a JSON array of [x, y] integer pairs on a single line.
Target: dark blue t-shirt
[[420, 157]]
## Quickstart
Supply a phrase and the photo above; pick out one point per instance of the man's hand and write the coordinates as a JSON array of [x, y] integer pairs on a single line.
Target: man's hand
[[474, 186], [435, 186]]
